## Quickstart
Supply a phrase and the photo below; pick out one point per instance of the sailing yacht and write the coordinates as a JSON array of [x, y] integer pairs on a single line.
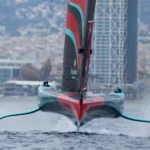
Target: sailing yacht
[[72, 100]]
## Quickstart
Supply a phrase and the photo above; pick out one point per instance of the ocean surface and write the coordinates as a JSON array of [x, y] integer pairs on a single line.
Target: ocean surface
[[46, 131]]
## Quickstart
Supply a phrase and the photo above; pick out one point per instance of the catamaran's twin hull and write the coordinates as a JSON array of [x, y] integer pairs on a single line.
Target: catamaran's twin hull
[[68, 104]]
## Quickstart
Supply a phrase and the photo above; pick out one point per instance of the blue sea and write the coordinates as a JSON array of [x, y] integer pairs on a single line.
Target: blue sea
[[46, 131]]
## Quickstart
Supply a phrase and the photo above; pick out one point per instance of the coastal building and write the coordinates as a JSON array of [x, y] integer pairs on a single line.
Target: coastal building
[[115, 42], [10, 68], [132, 41]]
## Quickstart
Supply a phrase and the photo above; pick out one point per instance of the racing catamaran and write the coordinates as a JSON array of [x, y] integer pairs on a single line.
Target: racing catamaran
[[73, 101]]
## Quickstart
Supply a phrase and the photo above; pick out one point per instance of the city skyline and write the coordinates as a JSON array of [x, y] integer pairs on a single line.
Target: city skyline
[[31, 45], [115, 51]]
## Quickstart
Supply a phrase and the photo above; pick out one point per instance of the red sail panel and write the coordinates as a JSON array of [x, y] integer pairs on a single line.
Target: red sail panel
[[81, 4], [73, 26]]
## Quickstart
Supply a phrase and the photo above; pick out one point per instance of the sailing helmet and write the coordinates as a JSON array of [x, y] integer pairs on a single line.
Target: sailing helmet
[[45, 82], [119, 90]]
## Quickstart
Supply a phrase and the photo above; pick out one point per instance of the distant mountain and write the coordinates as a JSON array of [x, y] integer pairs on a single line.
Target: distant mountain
[[145, 11], [27, 16], [21, 16]]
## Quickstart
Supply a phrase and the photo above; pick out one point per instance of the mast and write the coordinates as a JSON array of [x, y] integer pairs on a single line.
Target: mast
[[85, 50]]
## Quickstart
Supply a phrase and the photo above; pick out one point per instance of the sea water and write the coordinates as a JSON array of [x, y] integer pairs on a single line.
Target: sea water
[[47, 131]]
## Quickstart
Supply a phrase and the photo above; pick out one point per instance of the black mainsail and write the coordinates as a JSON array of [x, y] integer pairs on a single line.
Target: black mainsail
[[77, 49]]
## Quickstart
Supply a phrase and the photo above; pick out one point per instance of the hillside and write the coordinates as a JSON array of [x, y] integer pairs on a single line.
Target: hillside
[[32, 29], [20, 16], [145, 11]]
